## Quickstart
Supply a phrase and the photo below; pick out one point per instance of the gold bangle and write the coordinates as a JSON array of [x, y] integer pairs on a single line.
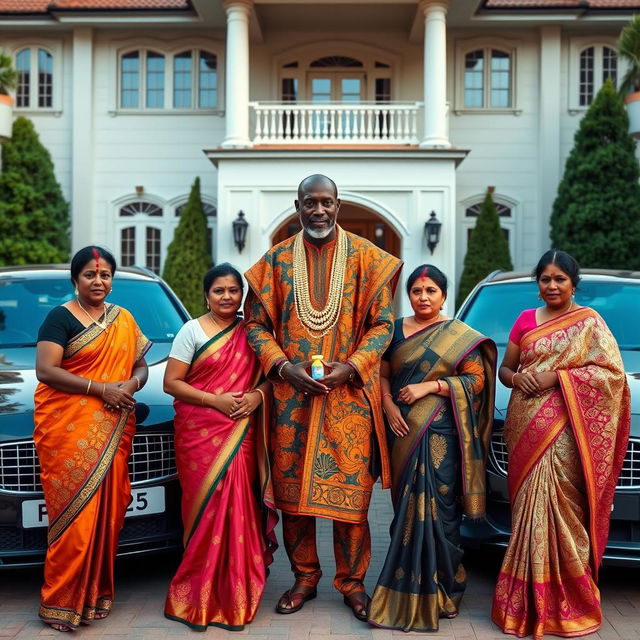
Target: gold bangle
[[388, 394], [204, 393], [104, 388], [137, 381], [261, 394], [512, 377], [86, 393]]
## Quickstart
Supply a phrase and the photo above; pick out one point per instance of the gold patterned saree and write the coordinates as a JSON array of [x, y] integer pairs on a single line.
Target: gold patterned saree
[[566, 448]]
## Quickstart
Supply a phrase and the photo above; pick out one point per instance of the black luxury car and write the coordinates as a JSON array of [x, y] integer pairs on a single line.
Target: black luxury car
[[27, 294], [492, 308]]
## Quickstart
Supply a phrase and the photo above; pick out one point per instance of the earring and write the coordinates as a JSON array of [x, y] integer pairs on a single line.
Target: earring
[[539, 297], [76, 291], [208, 306]]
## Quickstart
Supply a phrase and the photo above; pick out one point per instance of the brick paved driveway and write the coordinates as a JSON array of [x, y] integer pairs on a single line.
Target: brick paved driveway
[[142, 583]]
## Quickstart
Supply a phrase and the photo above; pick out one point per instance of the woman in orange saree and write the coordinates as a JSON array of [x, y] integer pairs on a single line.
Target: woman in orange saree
[[89, 364], [221, 451], [566, 430]]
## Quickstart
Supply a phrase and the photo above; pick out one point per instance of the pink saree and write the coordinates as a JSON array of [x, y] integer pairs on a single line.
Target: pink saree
[[566, 448], [227, 500]]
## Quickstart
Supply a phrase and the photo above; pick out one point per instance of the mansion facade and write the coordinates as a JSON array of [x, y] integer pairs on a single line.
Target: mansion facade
[[412, 107]]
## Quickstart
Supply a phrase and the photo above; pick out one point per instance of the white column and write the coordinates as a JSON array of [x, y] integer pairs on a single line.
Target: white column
[[549, 131], [435, 74], [237, 74], [82, 143]]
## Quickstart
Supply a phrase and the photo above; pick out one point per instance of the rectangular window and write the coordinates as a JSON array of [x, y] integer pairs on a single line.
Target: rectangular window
[[474, 80], [128, 246], [500, 79], [609, 65], [23, 67], [130, 79], [155, 80], [45, 79], [586, 76], [182, 72], [153, 249], [207, 81]]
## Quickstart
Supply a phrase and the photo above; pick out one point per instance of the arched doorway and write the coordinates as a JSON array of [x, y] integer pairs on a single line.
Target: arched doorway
[[354, 218]]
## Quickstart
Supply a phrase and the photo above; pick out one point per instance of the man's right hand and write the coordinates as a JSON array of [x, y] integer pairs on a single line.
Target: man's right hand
[[296, 375]]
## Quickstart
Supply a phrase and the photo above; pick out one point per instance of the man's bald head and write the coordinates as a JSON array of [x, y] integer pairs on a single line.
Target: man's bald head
[[315, 181]]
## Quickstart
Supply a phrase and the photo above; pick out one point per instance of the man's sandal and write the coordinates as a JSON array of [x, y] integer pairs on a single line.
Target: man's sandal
[[292, 601], [359, 603]]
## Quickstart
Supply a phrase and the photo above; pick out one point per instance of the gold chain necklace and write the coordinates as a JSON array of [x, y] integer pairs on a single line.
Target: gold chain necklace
[[318, 322], [103, 324]]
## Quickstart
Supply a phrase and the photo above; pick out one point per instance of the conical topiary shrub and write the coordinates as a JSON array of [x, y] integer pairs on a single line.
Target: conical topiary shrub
[[188, 258], [34, 216], [487, 249], [596, 214]]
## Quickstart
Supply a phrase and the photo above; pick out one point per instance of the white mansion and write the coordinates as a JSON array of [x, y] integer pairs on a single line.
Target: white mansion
[[411, 106]]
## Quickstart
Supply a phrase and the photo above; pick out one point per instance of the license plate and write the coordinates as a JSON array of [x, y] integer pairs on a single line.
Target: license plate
[[145, 502]]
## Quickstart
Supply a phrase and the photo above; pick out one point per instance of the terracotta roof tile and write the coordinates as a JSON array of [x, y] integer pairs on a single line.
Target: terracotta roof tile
[[48, 6], [562, 4]]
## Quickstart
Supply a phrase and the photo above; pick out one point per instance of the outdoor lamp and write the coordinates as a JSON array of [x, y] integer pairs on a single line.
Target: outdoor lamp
[[240, 226], [432, 231]]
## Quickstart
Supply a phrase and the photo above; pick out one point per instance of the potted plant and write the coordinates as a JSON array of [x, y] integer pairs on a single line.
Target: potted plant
[[629, 50]]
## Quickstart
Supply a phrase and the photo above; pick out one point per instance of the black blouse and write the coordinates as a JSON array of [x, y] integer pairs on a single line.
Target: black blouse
[[60, 326]]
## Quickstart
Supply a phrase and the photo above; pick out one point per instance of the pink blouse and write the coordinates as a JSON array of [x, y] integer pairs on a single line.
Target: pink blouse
[[525, 322]]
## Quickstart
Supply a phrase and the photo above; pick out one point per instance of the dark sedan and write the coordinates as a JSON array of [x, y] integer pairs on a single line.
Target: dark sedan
[[492, 308], [26, 295]]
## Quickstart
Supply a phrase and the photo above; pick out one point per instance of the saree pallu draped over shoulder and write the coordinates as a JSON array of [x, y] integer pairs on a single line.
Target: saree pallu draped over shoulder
[[441, 460], [83, 451], [566, 449], [227, 499]]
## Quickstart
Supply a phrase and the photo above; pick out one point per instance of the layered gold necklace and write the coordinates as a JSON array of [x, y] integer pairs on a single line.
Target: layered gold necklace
[[318, 322]]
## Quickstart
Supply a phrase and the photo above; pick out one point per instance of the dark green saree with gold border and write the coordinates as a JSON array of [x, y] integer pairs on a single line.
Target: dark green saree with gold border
[[438, 472]]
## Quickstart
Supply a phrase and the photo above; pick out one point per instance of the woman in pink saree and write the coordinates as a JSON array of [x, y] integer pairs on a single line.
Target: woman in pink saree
[[227, 502], [566, 430]]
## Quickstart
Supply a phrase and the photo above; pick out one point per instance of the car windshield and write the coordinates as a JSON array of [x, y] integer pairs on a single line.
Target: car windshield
[[24, 303], [496, 307]]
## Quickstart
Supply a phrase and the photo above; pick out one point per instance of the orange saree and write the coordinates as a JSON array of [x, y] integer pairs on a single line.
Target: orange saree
[[83, 450], [227, 502], [566, 448]]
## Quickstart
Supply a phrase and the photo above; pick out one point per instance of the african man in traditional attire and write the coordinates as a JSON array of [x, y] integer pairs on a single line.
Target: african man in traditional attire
[[324, 291]]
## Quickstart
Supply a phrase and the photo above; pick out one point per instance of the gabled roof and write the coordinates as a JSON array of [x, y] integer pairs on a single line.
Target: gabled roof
[[561, 4], [50, 6]]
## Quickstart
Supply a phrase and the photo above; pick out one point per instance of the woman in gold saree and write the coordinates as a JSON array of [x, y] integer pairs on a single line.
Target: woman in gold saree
[[438, 382], [89, 363], [221, 452], [566, 430]]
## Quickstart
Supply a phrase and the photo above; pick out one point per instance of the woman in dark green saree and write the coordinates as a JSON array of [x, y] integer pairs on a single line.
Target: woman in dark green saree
[[438, 383]]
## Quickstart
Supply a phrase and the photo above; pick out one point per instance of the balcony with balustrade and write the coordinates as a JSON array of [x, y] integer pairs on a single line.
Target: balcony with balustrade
[[286, 123]]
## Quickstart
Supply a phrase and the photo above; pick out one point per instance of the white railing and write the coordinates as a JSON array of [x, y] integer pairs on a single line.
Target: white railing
[[336, 123]]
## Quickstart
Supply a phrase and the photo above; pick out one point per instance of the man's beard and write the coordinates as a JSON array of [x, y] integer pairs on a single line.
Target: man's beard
[[317, 233]]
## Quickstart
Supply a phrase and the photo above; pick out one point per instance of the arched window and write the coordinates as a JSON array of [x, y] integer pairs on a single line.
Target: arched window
[[35, 78], [598, 63], [140, 235], [151, 79], [488, 79]]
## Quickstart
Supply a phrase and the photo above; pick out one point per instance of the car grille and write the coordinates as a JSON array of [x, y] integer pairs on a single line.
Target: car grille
[[152, 458], [629, 476]]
